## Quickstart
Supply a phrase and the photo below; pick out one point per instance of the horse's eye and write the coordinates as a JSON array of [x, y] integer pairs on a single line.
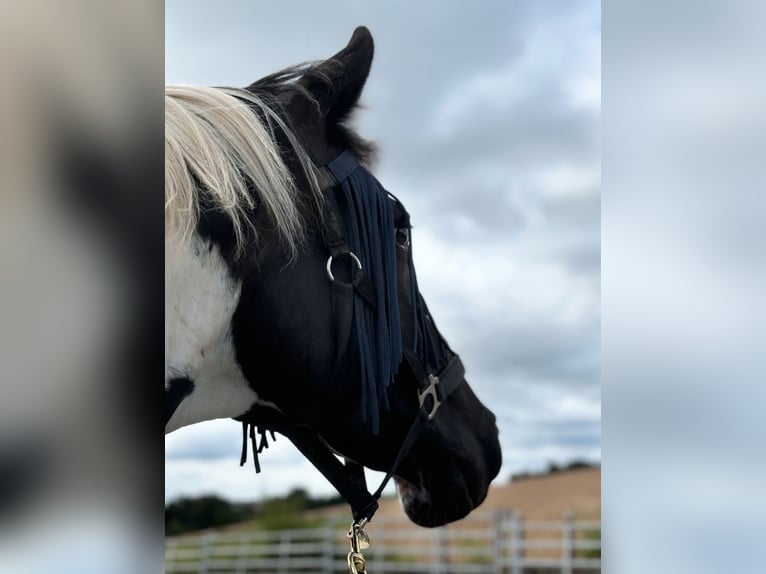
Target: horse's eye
[[403, 237]]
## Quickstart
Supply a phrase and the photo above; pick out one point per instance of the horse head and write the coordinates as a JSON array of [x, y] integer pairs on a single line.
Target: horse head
[[291, 297]]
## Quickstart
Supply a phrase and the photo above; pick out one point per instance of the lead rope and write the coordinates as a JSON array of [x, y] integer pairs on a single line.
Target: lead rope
[[358, 538]]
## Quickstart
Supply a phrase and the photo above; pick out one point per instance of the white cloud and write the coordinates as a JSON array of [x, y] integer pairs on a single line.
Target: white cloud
[[566, 180], [561, 50]]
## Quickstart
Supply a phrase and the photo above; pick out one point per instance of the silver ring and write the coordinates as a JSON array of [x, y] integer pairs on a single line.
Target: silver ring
[[354, 258]]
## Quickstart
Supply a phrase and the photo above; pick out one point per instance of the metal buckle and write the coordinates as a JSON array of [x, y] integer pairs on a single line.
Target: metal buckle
[[354, 258], [430, 390]]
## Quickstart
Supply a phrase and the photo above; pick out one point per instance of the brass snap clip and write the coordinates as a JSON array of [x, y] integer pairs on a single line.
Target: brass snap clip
[[359, 541]]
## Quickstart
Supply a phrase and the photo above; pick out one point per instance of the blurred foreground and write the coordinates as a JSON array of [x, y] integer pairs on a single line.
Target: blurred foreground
[[80, 292]]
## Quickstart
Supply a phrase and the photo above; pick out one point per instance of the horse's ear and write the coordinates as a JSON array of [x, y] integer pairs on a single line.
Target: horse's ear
[[337, 83]]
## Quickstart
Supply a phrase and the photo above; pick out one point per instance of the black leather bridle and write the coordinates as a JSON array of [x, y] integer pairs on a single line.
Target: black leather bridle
[[435, 382]]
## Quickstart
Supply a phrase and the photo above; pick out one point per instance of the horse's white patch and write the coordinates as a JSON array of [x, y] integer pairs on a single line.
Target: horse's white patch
[[200, 300]]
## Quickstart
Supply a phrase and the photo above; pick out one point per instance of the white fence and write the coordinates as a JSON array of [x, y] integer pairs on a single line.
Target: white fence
[[499, 543]]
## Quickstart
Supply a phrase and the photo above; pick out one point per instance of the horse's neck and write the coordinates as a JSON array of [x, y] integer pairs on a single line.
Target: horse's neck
[[200, 300]]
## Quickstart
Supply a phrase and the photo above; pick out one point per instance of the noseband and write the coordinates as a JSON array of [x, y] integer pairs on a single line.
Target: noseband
[[436, 379]]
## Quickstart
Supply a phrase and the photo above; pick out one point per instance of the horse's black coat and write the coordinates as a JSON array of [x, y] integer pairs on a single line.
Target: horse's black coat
[[284, 327]]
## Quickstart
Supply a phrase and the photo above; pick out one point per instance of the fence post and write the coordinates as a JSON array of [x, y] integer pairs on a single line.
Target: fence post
[[441, 550], [204, 552], [170, 556], [243, 552], [379, 554], [498, 544], [567, 543], [283, 562], [517, 543], [328, 550]]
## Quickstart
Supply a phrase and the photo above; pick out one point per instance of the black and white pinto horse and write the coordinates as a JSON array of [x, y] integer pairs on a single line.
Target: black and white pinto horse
[[291, 302]]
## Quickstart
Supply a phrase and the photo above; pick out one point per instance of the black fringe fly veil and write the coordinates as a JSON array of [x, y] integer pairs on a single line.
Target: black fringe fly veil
[[369, 221], [368, 216]]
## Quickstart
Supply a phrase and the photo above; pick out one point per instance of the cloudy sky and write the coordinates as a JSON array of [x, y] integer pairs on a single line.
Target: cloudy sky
[[487, 116]]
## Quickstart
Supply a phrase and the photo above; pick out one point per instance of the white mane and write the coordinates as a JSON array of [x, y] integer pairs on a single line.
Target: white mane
[[214, 139]]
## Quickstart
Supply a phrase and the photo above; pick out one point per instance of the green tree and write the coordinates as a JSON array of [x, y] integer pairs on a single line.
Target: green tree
[[187, 514]]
